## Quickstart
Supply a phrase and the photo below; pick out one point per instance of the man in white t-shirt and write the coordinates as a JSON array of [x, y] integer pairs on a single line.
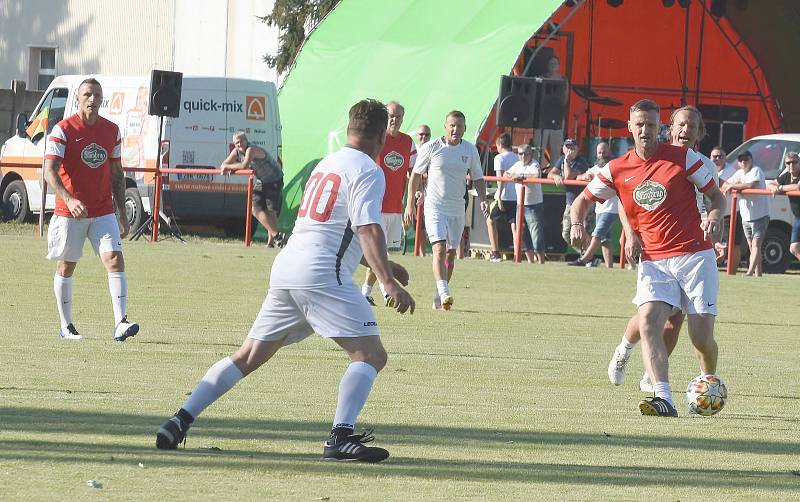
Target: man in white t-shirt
[[725, 171], [606, 214], [447, 160], [754, 209], [533, 201], [312, 290], [505, 208]]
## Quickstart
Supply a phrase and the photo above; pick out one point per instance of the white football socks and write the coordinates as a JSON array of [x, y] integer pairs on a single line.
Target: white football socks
[[442, 288], [366, 289], [118, 287], [664, 391], [219, 379], [354, 389], [63, 289], [625, 344]]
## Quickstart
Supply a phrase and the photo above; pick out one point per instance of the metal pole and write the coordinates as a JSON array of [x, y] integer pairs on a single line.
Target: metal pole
[[731, 267], [248, 222], [518, 233]]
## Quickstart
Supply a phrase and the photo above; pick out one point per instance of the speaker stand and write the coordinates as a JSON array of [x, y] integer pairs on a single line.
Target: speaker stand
[[147, 227]]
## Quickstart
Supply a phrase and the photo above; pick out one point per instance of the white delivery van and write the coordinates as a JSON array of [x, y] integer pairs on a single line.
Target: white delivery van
[[212, 109]]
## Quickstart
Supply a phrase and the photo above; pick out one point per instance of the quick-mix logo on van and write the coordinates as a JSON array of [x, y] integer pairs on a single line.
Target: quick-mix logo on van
[[94, 155], [254, 107], [650, 194]]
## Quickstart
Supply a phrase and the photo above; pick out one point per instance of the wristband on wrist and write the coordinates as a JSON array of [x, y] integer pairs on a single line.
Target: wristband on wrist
[[577, 224]]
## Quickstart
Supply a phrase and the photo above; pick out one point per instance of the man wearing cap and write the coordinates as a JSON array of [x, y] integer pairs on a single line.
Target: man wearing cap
[[789, 181], [568, 167], [754, 209]]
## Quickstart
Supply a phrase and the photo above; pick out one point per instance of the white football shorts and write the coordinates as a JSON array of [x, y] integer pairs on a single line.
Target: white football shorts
[[331, 312], [392, 224], [66, 236], [689, 282], [440, 227]]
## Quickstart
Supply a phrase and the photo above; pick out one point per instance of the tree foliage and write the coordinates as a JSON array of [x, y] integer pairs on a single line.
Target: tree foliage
[[293, 17]]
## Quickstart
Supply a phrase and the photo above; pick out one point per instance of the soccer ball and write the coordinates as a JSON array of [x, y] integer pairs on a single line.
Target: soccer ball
[[706, 395]]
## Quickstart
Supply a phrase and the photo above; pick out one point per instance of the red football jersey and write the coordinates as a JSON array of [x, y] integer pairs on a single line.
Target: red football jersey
[[85, 151], [658, 196], [396, 160]]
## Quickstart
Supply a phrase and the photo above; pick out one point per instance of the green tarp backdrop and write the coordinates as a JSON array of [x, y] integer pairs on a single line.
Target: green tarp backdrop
[[432, 56]]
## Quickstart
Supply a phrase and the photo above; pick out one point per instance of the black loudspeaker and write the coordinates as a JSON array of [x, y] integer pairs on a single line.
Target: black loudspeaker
[[516, 102], [165, 93], [550, 105]]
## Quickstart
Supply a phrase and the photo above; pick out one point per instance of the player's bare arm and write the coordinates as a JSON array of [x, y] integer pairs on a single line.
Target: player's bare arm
[[633, 244], [413, 183], [230, 164], [480, 187], [373, 243], [577, 213], [118, 192], [712, 227], [76, 208], [555, 175]]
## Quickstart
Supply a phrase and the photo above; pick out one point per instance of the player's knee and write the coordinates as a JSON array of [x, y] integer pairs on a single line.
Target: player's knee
[[376, 357], [114, 262], [65, 268]]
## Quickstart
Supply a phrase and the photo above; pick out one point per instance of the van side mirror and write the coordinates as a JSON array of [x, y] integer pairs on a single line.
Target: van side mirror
[[22, 123]]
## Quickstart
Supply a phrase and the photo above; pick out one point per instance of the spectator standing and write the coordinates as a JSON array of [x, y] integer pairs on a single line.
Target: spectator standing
[[789, 181], [753, 208], [606, 214], [725, 171], [528, 167], [504, 210], [268, 186], [568, 167]]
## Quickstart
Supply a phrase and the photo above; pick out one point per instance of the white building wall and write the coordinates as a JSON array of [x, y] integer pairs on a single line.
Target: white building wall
[[90, 36], [129, 37]]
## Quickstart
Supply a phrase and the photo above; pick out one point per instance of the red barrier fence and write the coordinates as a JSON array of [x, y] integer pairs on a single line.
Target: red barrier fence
[[156, 206], [731, 267]]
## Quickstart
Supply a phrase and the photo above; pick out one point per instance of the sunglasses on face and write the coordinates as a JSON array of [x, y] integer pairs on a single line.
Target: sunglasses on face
[[425, 134], [717, 156], [790, 162]]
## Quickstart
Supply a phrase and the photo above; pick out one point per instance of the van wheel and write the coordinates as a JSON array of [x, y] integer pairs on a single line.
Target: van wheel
[[775, 251], [134, 210], [15, 202]]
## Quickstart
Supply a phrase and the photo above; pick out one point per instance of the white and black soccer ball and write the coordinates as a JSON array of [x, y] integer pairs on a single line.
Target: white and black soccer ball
[[706, 395]]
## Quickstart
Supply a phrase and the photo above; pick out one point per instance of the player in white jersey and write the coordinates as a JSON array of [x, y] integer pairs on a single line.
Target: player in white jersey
[[447, 160], [312, 289], [686, 130]]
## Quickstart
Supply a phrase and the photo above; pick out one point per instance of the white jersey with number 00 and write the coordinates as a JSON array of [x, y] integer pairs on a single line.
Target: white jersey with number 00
[[344, 191], [447, 167]]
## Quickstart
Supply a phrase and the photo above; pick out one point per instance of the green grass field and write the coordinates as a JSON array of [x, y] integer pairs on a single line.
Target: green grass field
[[504, 398]]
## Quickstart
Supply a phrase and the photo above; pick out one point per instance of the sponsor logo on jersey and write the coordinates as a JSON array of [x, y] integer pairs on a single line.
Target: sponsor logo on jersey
[[255, 108], [94, 155], [393, 160], [464, 159], [650, 195]]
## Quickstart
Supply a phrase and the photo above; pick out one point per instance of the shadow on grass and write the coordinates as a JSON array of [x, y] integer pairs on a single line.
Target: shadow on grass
[[396, 466], [137, 432]]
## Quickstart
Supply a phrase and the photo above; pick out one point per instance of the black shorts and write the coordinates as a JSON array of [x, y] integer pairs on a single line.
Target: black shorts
[[508, 213], [738, 234], [268, 196]]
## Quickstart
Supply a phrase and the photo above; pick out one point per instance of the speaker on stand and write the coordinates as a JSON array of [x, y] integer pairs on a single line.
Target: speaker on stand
[[165, 101]]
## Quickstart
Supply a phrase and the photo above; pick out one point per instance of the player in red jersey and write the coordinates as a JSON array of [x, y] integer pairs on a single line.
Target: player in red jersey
[[656, 186], [82, 164], [396, 160]]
